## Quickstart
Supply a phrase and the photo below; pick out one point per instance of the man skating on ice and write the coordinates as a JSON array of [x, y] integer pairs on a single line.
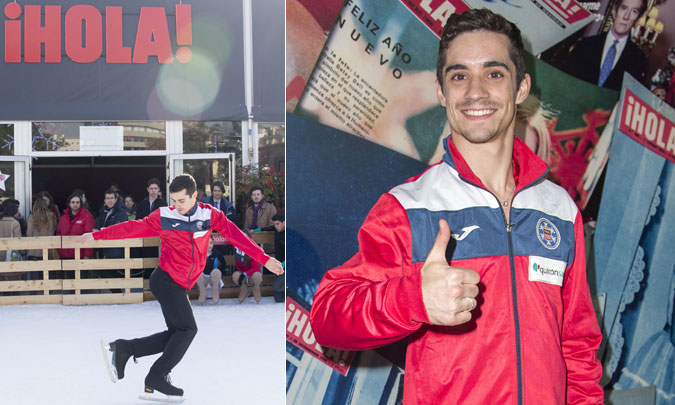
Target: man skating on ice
[[184, 229]]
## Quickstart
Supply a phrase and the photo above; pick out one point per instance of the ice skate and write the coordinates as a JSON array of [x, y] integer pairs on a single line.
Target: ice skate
[[202, 296], [157, 396], [159, 389], [243, 293], [120, 355]]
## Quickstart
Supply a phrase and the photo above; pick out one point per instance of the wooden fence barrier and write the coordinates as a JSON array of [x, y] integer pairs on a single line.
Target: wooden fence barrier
[[92, 282]]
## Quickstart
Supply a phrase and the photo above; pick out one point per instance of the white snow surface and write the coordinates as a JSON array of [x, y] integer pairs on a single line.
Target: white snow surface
[[51, 354]]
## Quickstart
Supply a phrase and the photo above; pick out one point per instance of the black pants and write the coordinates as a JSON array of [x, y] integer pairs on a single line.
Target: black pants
[[180, 321]]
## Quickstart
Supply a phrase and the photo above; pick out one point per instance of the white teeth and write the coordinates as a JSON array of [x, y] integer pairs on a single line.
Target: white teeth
[[478, 113]]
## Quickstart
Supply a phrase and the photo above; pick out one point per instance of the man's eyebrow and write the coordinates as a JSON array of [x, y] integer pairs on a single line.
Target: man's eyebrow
[[492, 63], [457, 66]]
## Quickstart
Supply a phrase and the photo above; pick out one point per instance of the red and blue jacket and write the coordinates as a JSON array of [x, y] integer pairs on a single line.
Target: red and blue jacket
[[534, 335], [185, 238]]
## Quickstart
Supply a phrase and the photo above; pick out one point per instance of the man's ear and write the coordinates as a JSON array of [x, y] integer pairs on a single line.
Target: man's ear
[[194, 195], [523, 89], [439, 93]]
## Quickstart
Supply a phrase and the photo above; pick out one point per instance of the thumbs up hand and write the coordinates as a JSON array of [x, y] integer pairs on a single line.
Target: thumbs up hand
[[449, 293]]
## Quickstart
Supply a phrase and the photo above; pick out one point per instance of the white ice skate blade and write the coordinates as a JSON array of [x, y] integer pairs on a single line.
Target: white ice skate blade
[[105, 348], [159, 397]]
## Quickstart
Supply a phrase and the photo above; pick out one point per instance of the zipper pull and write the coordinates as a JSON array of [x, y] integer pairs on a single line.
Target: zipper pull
[[508, 227]]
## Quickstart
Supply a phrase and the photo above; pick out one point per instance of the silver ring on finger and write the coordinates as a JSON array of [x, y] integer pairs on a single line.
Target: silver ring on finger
[[473, 304]]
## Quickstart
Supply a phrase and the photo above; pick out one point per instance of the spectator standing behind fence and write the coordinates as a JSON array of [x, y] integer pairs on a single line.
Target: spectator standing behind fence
[[279, 228], [260, 213], [75, 221], [9, 225], [85, 203], [152, 201], [130, 207], [22, 222], [52, 205], [111, 213], [10, 228], [41, 222], [212, 274], [217, 200]]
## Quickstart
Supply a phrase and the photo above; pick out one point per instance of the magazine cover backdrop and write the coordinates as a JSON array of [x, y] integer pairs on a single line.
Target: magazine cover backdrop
[[634, 259], [335, 178], [335, 172]]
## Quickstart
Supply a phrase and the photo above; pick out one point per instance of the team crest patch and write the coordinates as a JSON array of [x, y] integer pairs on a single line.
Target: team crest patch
[[548, 234], [200, 225]]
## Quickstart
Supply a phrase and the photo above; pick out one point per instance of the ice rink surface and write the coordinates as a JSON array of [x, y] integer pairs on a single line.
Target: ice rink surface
[[51, 354]]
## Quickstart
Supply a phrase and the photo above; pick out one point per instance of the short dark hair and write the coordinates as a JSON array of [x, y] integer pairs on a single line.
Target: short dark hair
[[73, 195], [153, 180], [218, 184], [482, 20], [254, 188], [278, 217], [10, 207], [183, 182], [643, 7], [110, 191]]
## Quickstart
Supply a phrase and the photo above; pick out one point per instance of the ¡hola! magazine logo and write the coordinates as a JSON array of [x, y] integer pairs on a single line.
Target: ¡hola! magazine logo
[[78, 33]]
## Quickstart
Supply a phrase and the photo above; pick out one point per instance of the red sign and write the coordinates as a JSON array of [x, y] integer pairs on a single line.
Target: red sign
[[84, 27], [642, 122], [219, 239], [434, 13], [299, 332], [569, 10]]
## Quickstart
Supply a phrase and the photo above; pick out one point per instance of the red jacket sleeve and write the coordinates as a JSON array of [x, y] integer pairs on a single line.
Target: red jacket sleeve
[[376, 297], [239, 239], [140, 228], [581, 334]]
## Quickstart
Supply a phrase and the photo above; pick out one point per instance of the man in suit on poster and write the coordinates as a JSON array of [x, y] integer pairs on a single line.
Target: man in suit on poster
[[602, 59]]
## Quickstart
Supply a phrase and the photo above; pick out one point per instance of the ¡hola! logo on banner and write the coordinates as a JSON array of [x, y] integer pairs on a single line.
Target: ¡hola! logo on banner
[[84, 26]]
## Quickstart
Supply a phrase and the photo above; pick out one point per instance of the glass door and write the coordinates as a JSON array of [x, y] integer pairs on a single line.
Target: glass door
[[15, 181], [205, 168]]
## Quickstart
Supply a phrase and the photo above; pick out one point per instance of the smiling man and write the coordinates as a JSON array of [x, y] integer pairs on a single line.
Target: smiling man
[[184, 230], [498, 311], [602, 59]]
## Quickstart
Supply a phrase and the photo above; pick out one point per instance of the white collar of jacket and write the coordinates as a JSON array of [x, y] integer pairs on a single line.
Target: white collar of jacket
[[528, 168]]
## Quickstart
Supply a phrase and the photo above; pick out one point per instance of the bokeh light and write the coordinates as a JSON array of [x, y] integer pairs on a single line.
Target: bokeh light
[[191, 88]]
